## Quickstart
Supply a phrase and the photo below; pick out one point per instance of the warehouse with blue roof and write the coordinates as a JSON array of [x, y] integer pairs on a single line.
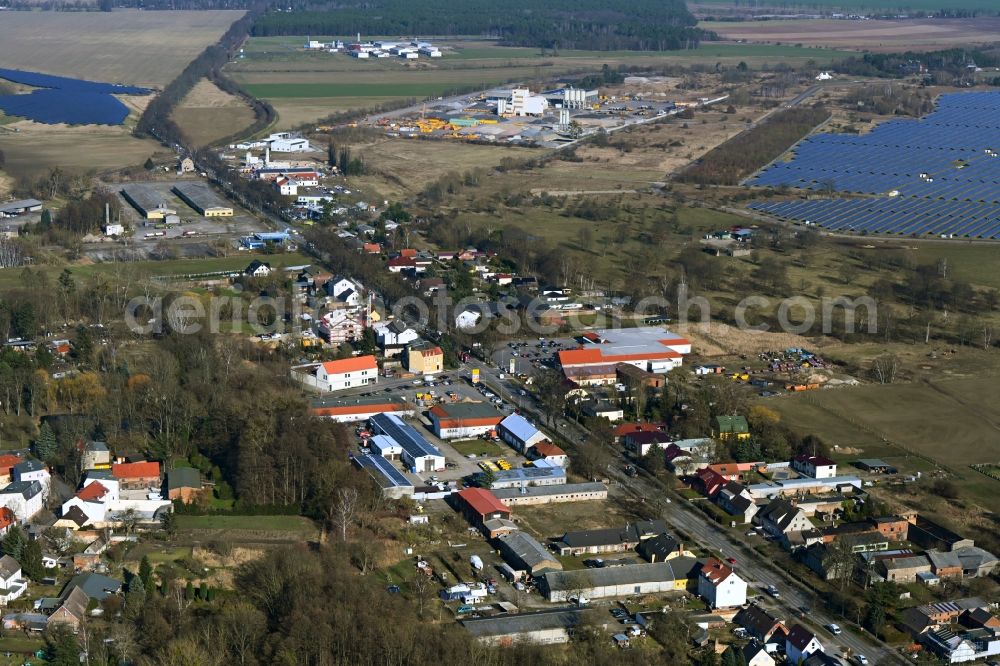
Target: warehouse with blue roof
[[520, 433]]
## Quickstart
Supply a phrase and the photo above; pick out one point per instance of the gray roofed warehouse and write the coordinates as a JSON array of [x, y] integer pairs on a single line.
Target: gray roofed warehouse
[[203, 199], [629, 580]]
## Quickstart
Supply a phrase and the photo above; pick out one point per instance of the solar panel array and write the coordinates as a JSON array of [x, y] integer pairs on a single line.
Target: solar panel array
[[392, 477], [62, 100], [939, 175]]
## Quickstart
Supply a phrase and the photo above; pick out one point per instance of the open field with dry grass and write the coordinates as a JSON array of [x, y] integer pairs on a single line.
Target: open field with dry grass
[[124, 46], [36, 148], [913, 34], [207, 114]]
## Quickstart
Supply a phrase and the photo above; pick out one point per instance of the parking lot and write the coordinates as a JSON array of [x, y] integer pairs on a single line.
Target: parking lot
[[530, 355]]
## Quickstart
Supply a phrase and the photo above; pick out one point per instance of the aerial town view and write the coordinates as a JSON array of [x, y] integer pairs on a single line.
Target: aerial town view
[[421, 333]]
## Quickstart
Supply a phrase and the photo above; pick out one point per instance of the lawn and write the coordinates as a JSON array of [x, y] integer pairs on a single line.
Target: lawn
[[298, 524], [317, 90], [11, 277], [480, 448]]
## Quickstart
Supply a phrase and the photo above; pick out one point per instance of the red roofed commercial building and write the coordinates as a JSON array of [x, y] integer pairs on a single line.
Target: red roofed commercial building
[[463, 419], [338, 375], [480, 505], [648, 348], [351, 411], [137, 474]]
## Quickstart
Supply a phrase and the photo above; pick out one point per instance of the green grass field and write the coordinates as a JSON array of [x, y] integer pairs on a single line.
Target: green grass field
[[273, 523], [12, 277], [318, 90], [479, 447]]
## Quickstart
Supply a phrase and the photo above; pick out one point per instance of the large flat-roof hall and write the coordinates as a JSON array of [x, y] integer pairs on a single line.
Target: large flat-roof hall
[[201, 197]]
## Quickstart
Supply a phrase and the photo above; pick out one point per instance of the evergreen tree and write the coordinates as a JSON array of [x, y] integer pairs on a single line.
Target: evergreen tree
[[203, 591], [149, 165], [135, 597], [46, 446], [31, 561], [46, 221], [14, 542], [189, 591], [61, 647]]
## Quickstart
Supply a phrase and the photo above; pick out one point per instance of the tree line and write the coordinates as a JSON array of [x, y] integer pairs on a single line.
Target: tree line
[[639, 25], [737, 158]]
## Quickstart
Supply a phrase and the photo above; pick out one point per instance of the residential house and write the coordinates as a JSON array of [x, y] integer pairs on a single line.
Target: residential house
[[468, 317], [7, 462], [7, 520], [12, 584], [520, 433], [339, 326], [731, 427], [30, 469], [257, 269], [602, 409], [549, 452], [424, 358], [480, 505], [754, 654], [393, 336], [640, 442], [686, 457], [800, 644], [735, 500], [609, 540], [184, 484], [94, 585], [71, 609], [781, 517], [920, 619], [816, 467], [92, 500], [661, 548], [95, 455], [623, 429], [402, 265], [523, 553], [720, 586], [344, 290], [136, 475], [708, 482], [760, 624], [964, 646], [340, 374], [976, 562], [24, 498]]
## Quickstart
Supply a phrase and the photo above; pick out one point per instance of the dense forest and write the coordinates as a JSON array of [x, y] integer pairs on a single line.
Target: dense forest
[[743, 154], [639, 25]]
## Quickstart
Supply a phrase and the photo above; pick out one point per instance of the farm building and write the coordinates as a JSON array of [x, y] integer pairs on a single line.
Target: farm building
[[542, 628], [609, 540], [202, 199], [523, 552], [563, 492], [14, 208], [150, 203], [417, 453], [625, 581], [464, 419]]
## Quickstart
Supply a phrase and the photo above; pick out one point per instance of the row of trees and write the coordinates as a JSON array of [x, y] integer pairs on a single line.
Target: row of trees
[[737, 158], [644, 25]]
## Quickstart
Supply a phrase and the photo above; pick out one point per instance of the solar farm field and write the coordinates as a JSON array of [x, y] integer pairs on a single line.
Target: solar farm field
[[937, 176], [123, 46], [58, 99]]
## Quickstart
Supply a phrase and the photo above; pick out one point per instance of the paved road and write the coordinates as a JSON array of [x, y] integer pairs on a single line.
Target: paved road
[[687, 519]]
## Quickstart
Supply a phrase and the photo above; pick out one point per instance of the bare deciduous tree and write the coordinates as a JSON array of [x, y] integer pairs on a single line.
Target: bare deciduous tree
[[884, 369], [342, 509]]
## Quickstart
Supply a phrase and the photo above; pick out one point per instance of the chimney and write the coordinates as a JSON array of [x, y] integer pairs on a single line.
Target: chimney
[[107, 214]]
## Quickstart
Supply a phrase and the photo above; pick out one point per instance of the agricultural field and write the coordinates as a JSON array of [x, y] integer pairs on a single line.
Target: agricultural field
[[32, 148], [208, 114], [914, 34], [306, 86], [124, 46]]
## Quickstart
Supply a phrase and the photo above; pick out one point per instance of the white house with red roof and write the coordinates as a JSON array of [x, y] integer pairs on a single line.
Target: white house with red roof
[[648, 348], [93, 499], [338, 375], [720, 586]]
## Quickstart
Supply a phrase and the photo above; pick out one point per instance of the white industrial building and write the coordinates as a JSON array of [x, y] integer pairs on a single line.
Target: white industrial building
[[286, 142], [625, 581], [417, 453], [522, 103], [520, 433]]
